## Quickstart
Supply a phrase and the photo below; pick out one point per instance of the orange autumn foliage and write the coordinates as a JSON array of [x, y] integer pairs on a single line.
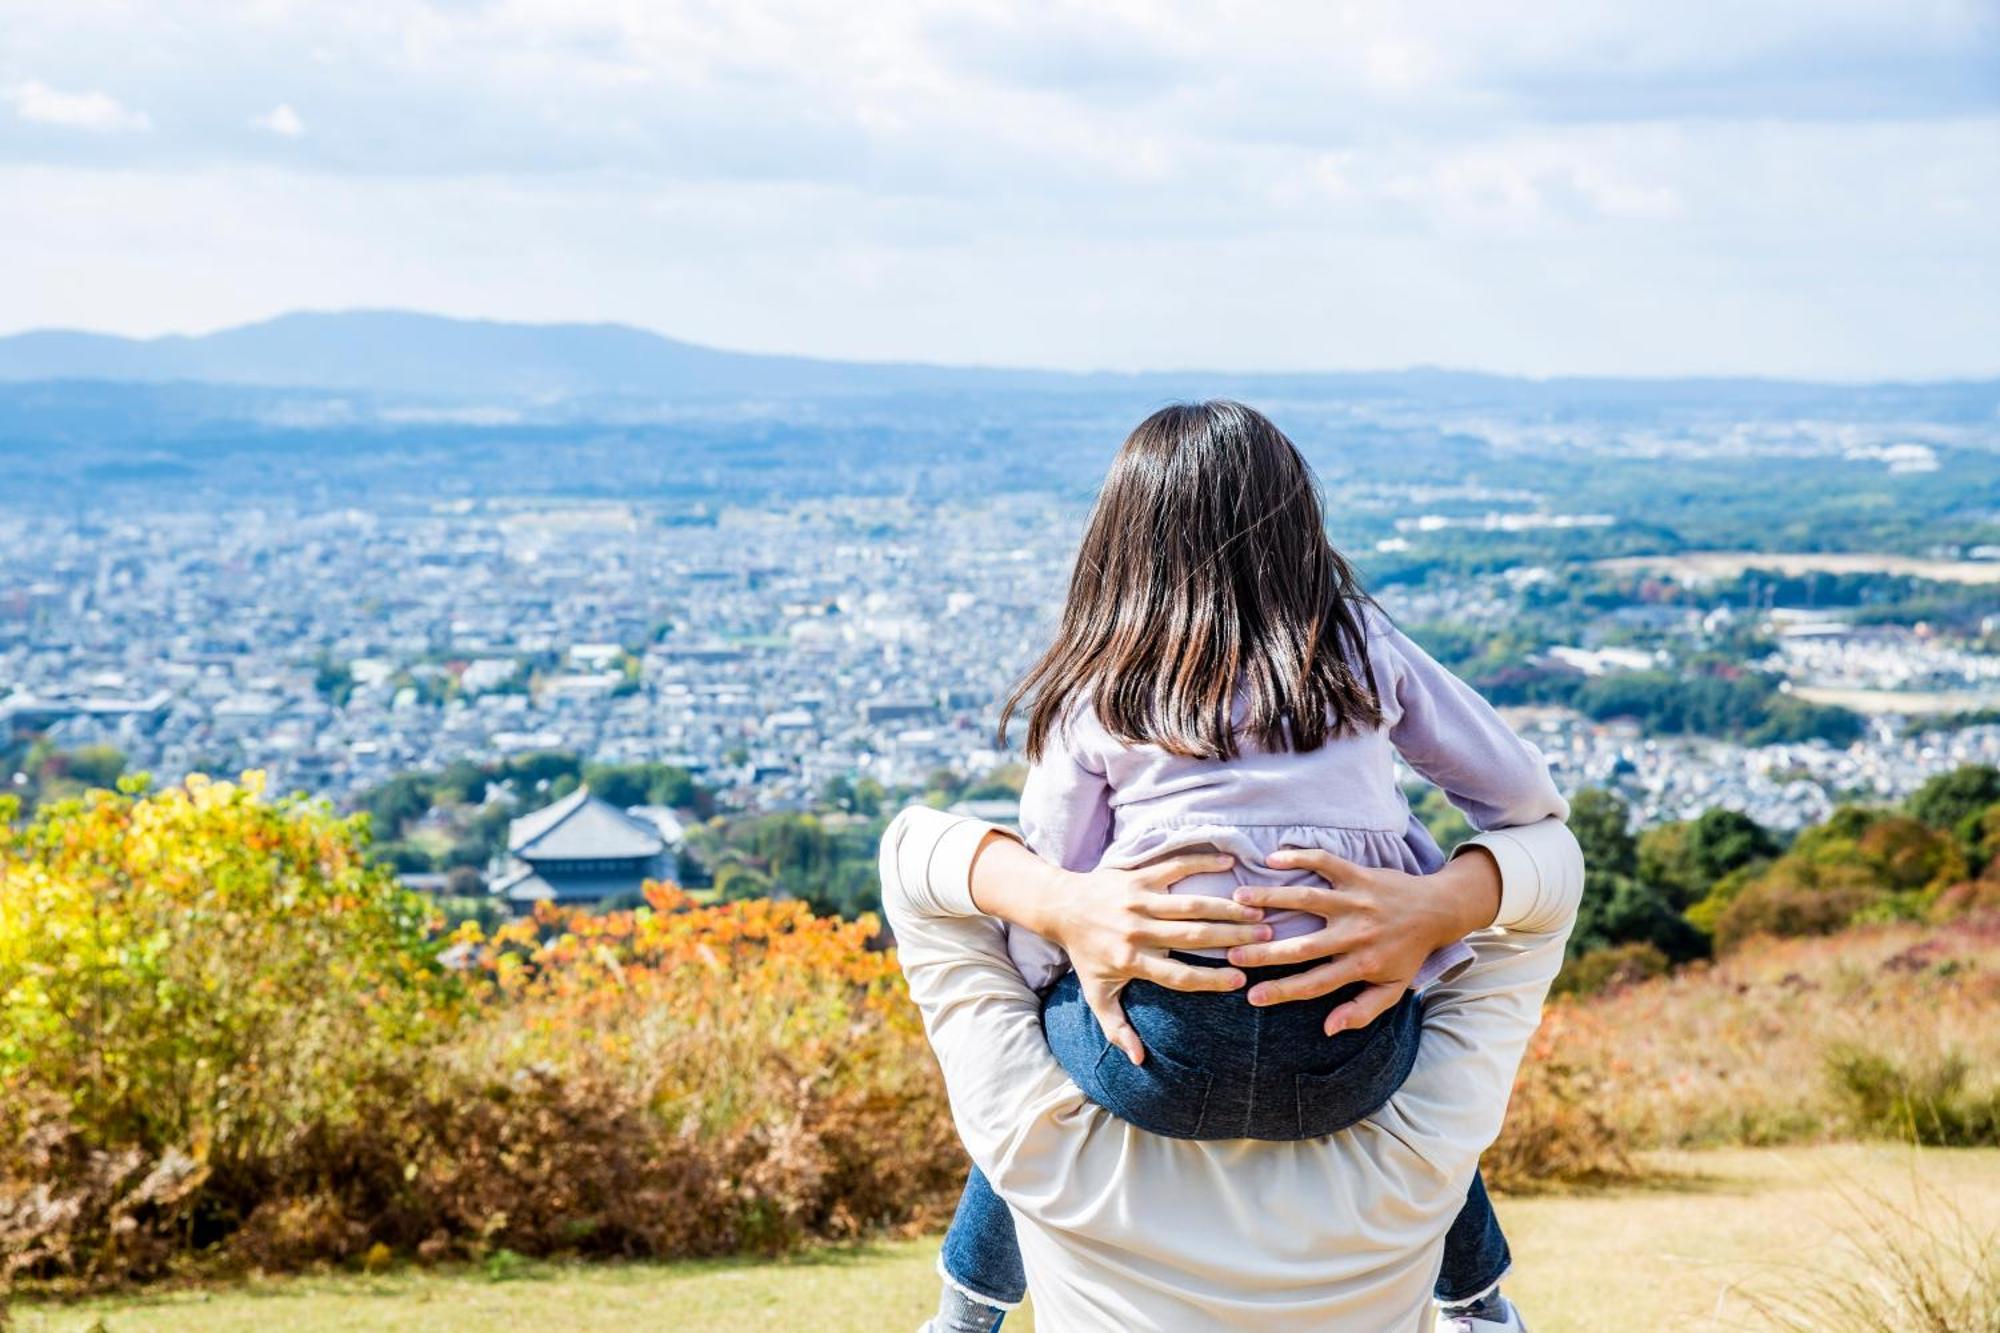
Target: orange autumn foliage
[[225, 1037]]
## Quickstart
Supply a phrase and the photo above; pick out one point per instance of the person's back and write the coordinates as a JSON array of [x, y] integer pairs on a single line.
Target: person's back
[[1219, 681]]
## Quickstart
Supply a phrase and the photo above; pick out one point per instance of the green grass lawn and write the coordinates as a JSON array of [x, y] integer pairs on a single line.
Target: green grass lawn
[[1676, 1256]]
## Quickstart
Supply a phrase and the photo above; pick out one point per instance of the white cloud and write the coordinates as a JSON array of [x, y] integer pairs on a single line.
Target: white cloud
[[95, 112], [1545, 181], [1543, 185], [280, 120]]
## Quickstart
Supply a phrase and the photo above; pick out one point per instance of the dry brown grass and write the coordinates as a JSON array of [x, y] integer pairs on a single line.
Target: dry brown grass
[[1881, 1032], [1925, 1265]]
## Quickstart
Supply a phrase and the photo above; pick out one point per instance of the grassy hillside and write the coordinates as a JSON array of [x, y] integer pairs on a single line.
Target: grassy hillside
[[1880, 1032]]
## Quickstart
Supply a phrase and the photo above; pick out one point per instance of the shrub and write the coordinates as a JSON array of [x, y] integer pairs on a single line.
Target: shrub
[[192, 977], [224, 1034], [1937, 1102], [1558, 1129], [1738, 1051], [1604, 969], [1861, 865], [1778, 907], [1977, 897], [227, 1038], [772, 1048]]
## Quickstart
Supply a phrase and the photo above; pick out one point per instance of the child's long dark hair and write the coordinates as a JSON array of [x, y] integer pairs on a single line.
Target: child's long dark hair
[[1206, 569]]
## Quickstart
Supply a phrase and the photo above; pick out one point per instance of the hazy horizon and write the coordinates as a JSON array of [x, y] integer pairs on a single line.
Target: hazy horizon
[[1407, 368]]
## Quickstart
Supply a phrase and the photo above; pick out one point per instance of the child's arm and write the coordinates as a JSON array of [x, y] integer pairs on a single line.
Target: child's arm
[[1451, 736], [1066, 820], [1066, 806]]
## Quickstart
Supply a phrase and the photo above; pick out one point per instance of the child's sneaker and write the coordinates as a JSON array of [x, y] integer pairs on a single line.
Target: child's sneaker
[[1505, 1319], [958, 1312]]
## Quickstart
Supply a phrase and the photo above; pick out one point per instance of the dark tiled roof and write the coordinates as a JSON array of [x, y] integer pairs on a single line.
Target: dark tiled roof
[[580, 827], [531, 886]]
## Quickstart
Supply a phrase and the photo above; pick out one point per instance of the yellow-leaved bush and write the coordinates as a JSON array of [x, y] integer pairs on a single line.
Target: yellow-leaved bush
[[224, 1035]]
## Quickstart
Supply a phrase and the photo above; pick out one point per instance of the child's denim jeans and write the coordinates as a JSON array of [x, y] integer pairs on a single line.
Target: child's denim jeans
[[1219, 1068]]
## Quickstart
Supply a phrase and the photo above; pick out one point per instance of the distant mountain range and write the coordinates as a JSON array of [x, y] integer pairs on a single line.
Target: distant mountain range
[[407, 356], [399, 353]]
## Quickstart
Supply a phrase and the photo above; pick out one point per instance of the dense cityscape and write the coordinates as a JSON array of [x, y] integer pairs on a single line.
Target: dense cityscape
[[772, 649]]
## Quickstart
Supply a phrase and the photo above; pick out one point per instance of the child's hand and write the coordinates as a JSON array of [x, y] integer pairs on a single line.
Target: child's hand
[[1380, 926], [1119, 924]]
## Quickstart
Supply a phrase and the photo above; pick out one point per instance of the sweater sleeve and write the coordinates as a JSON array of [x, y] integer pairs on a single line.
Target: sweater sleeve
[[1541, 874], [926, 862], [1477, 1024], [1009, 1098], [1452, 737]]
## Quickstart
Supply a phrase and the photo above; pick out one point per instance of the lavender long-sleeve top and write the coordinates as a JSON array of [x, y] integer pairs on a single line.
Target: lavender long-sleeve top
[[1094, 800]]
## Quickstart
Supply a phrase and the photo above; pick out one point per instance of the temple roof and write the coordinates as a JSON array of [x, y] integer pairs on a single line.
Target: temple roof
[[529, 886], [580, 827]]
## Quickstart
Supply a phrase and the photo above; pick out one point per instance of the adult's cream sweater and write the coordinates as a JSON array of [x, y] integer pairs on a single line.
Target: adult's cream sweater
[[1124, 1230]]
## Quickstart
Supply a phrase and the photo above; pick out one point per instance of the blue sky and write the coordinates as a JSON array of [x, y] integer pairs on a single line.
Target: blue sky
[[1542, 186]]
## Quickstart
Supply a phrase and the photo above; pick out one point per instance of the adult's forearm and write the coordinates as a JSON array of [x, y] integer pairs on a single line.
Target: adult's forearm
[[1469, 891], [1012, 883]]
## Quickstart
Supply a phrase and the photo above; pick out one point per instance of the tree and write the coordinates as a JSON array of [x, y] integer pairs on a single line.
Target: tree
[[531, 770], [735, 880], [644, 784], [405, 858], [334, 680], [95, 765], [1447, 826], [1602, 825], [1949, 798], [55, 774], [1620, 909], [1687, 858], [869, 796], [1959, 802]]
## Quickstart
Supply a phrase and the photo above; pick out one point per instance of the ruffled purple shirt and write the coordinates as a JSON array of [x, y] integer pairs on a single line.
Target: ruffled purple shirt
[[1094, 800]]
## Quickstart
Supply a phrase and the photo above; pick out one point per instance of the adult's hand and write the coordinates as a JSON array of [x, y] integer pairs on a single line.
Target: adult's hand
[[1119, 925], [1380, 926]]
